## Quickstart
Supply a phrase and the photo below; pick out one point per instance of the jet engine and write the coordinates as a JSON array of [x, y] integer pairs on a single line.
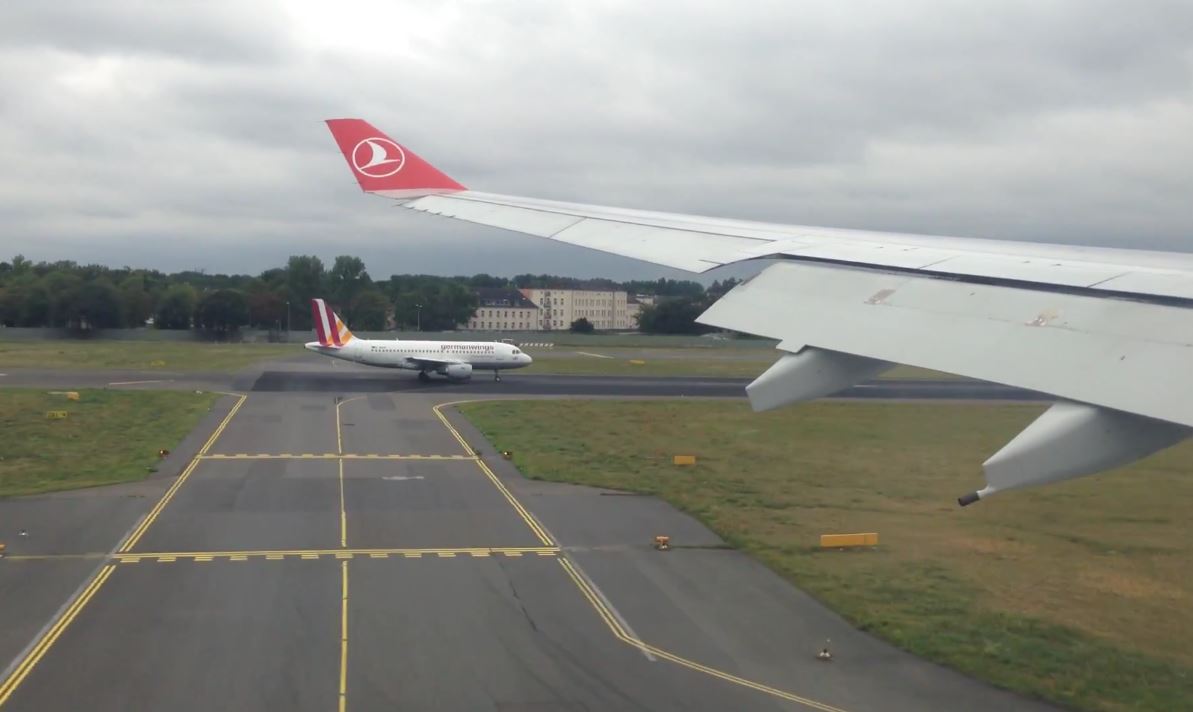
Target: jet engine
[[458, 371]]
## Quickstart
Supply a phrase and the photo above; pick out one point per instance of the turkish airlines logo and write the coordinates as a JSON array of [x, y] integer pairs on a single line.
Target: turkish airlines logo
[[378, 157]]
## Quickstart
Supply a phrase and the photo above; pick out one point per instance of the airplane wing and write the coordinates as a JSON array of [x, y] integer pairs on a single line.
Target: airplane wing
[[1109, 332]]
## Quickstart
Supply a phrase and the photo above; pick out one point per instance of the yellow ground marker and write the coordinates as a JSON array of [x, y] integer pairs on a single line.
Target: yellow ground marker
[[842, 541], [683, 460]]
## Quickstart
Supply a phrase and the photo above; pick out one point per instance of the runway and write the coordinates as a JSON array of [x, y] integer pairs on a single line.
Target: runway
[[365, 550], [303, 377]]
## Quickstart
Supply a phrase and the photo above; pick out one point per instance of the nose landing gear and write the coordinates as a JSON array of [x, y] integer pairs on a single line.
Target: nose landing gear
[[497, 376]]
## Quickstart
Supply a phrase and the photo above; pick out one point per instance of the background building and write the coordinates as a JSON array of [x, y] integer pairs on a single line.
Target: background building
[[606, 310], [503, 310]]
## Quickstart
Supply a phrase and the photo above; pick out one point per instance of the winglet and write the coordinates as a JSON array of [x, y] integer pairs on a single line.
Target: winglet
[[382, 165]]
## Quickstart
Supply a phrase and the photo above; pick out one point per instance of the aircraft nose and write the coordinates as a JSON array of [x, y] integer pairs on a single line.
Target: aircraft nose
[[526, 359]]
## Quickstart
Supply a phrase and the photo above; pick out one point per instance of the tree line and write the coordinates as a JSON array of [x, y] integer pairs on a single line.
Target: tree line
[[65, 294]]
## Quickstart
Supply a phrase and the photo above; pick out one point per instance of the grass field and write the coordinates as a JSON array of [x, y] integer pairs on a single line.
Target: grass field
[[1080, 593], [164, 355], [107, 437]]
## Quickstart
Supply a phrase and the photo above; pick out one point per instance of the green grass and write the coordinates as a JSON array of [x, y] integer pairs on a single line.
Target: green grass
[[1080, 593], [107, 437], [164, 355]]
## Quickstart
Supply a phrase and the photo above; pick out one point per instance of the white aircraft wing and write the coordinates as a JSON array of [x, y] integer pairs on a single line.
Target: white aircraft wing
[[1109, 332]]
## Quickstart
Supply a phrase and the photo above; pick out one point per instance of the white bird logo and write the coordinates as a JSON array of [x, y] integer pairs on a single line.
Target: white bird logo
[[378, 157]]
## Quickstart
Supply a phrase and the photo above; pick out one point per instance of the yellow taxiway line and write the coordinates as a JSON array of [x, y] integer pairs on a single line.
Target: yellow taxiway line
[[543, 535], [327, 456], [39, 650], [344, 636], [602, 609], [186, 473], [620, 633], [339, 554]]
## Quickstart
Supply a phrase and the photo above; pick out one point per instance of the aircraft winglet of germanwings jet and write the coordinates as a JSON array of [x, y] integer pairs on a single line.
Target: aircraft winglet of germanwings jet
[[1108, 332], [454, 359]]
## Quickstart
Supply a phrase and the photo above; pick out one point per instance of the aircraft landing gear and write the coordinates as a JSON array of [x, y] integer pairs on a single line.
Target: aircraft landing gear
[[424, 376], [497, 376]]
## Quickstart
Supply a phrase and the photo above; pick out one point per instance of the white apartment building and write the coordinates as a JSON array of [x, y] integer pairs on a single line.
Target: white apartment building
[[503, 310], [558, 308]]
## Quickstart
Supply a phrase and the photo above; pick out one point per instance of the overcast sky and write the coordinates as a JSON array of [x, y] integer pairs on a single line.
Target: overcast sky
[[189, 135]]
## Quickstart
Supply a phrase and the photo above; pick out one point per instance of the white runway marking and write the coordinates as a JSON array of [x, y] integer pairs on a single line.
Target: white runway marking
[[400, 478], [585, 353], [133, 383]]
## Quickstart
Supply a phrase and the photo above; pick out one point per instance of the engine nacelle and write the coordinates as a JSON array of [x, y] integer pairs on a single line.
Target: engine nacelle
[[458, 371]]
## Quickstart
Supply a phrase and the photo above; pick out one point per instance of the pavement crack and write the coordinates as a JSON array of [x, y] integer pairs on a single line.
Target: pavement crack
[[514, 592]]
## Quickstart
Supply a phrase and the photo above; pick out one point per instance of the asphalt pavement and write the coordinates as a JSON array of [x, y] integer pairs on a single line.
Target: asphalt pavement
[[318, 545]]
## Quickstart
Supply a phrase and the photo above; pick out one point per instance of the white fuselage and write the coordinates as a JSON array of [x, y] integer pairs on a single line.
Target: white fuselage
[[430, 356]]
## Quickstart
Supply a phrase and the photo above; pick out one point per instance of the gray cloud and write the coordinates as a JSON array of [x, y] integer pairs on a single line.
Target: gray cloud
[[188, 135]]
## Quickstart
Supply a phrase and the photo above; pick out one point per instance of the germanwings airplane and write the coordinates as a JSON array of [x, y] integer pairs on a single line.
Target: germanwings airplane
[[454, 359], [1109, 332]]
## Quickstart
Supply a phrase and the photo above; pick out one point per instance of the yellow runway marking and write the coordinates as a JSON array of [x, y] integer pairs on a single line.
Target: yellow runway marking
[[338, 554], [602, 610], [455, 433], [343, 509], [22, 670], [344, 638], [328, 456], [620, 633], [340, 464], [161, 503], [524, 513]]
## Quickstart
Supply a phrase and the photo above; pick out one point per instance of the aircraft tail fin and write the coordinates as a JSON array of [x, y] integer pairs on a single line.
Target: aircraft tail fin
[[382, 165], [329, 327]]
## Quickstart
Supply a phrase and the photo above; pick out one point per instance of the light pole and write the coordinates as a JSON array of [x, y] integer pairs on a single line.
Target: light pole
[[287, 319], [418, 317]]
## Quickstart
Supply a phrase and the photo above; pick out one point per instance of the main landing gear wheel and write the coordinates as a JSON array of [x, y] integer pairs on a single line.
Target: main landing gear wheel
[[423, 376], [497, 376]]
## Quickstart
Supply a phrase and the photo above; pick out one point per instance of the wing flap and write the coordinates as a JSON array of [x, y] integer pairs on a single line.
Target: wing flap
[[1131, 356]]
